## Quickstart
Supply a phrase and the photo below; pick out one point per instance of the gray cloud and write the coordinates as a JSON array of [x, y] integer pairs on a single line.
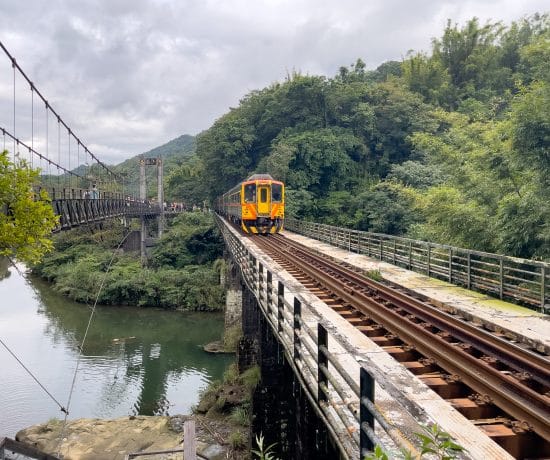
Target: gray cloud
[[129, 75]]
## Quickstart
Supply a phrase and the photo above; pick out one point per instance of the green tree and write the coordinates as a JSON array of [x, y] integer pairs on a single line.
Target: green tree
[[386, 208], [429, 77], [26, 218], [531, 126]]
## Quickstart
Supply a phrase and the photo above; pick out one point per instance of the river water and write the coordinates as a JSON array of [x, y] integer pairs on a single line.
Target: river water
[[134, 361]]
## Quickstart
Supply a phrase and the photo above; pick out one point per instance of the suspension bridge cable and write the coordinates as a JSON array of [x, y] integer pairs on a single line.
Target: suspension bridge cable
[[50, 162], [32, 126], [21, 362], [32, 375], [48, 106], [81, 348], [13, 63]]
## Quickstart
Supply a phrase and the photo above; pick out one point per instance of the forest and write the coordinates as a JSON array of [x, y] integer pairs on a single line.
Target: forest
[[450, 146]]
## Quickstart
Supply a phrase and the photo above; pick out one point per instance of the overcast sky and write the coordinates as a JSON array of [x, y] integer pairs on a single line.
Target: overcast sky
[[129, 75]]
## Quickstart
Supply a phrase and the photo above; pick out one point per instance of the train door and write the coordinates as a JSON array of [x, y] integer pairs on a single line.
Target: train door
[[263, 200]]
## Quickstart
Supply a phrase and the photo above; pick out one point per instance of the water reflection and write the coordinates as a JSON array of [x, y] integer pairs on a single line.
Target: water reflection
[[134, 361]]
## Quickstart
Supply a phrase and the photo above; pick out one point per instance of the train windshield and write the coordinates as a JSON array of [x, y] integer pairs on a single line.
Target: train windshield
[[250, 193], [276, 193]]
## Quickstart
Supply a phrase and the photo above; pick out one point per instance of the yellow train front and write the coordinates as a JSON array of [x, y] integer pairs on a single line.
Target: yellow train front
[[257, 204]]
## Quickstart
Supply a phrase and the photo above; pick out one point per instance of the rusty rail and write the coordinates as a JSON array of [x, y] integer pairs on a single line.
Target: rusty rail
[[390, 308]]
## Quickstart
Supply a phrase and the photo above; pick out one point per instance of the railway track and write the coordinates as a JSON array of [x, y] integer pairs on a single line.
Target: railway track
[[501, 387]]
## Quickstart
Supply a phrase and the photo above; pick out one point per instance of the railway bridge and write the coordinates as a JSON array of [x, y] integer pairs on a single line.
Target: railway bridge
[[348, 363]]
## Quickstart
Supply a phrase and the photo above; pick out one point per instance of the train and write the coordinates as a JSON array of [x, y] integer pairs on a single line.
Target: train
[[256, 204]]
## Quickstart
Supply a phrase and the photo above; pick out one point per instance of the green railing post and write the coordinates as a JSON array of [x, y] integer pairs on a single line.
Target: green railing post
[[366, 418], [297, 327], [260, 281], [469, 269], [542, 289], [322, 361], [429, 258], [501, 278], [450, 265]]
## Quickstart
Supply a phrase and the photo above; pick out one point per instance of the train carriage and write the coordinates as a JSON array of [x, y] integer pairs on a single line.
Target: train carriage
[[256, 204]]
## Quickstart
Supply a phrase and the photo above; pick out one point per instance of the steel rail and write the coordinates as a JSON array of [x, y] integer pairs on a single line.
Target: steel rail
[[506, 392], [510, 354]]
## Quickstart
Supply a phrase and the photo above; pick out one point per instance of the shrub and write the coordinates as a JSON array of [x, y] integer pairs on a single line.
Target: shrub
[[237, 440]]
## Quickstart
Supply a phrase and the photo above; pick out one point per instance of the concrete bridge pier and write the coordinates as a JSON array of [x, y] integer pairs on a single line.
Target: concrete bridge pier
[[281, 410], [231, 278]]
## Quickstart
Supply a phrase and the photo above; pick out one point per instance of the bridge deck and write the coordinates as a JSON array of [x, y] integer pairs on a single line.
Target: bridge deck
[[401, 397], [523, 324]]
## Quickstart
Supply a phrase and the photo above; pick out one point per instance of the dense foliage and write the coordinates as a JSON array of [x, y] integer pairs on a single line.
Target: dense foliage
[[182, 274], [26, 220], [450, 146]]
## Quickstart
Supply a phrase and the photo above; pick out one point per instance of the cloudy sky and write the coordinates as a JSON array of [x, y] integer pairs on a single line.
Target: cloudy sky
[[129, 75]]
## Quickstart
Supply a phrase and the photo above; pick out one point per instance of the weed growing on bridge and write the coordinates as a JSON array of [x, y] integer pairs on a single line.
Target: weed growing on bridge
[[438, 442], [264, 453], [375, 275], [434, 442], [231, 338]]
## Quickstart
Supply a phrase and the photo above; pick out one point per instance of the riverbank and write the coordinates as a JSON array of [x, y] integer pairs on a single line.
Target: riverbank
[[182, 271], [93, 439], [222, 419]]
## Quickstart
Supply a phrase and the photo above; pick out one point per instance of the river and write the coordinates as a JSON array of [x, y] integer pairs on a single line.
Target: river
[[135, 361]]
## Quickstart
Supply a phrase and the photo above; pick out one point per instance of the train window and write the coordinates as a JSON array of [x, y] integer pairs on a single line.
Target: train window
[[250, 193], [276, 193], [263, 195]]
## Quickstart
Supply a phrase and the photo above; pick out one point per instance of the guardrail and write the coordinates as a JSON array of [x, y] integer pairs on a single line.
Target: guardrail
[[345, 402], [521, 280]]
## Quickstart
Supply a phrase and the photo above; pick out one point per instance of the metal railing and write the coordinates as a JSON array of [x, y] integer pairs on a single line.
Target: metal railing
[[343, 401], [76, 206], [521, 280]]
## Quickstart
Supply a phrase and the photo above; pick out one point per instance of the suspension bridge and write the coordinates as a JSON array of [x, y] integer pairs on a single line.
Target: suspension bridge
[[82, 188]]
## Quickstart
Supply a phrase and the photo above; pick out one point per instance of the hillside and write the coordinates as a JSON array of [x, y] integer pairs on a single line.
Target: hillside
[[449, 146]]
